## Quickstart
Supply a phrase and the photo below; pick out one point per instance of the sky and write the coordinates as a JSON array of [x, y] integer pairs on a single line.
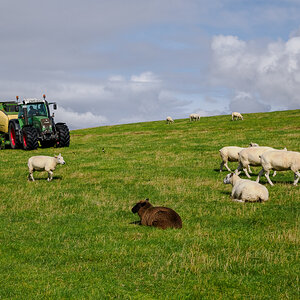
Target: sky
[[107, 62]]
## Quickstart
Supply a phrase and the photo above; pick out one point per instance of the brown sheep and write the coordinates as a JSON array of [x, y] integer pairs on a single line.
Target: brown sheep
[[162, 217]]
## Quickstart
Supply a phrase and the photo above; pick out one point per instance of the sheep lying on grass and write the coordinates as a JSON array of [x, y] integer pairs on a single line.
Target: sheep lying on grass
[[280, 161], [169, 120], [245, 190], [162, 217], [236, 115], [251, 156], [44, 163], [231, 153], [194, 117]]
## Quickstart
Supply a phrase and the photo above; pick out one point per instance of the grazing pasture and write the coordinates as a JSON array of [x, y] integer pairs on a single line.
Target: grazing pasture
[[73, 237]]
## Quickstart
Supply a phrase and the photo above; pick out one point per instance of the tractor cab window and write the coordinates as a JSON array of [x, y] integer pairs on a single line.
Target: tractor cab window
[[37, 110]]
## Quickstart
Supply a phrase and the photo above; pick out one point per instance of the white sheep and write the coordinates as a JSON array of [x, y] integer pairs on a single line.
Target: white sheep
[[231, 153], [280, 161], [245, 190], [194, 117], [44, 163], [250, 156], [236, 115], [169, 120]]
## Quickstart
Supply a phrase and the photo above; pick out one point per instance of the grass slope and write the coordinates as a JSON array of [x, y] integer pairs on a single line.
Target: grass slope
[[72, 238]]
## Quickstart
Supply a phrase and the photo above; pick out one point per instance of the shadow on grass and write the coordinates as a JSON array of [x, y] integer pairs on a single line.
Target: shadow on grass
[[136, 223], [225, 193], [45, 178], [277, 182]]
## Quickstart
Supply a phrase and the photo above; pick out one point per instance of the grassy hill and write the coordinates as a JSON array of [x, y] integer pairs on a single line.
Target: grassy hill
[[72, 238]]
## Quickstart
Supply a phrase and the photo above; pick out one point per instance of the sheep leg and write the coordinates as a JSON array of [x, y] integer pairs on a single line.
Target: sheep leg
[[246, 172], [274, 174], [262, 171], [249, 170], [226, 165], [238, 169], [30, 176], [296, 178], [268, 177], [221, 166], [50, 175], [238, 200]]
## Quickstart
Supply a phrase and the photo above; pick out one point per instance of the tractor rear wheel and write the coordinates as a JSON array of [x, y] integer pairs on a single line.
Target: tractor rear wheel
[[63, 135], [29, 138], [13, 136]]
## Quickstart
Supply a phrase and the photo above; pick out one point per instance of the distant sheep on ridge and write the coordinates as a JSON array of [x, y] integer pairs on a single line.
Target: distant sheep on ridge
[[169, 120], [236, 115], [194, 117]]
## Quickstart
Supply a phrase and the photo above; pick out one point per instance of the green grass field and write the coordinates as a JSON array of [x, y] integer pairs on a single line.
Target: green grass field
[[72, 238]]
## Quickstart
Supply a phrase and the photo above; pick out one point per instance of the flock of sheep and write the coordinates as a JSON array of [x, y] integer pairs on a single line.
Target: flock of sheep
[[192, 117], [243, 190], [196, 117], [269, 158]]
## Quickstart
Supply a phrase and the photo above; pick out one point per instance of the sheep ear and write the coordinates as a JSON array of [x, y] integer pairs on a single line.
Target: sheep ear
[[147, 199]]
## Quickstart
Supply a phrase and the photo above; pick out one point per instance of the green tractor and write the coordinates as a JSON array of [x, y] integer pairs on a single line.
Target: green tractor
[[29, 125]]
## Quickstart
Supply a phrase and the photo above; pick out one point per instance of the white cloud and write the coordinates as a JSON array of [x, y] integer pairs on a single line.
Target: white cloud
[[146, 77], [77, 120], [261, 78], [245, 102], [208, 113], [116, 100]]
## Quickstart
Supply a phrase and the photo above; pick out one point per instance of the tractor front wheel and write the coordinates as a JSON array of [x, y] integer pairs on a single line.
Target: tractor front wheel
[[29, 138], [63, 135], [13, 136]]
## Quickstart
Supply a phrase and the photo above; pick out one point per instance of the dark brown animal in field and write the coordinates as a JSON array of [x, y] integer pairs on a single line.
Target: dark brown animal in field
[[162, 217]]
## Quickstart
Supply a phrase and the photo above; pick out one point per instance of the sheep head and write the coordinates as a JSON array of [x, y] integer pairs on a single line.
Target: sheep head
[[143, 203], [231, 178]]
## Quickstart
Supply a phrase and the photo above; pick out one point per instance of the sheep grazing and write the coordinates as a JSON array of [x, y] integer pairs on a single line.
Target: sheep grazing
[[169, 120], [280, 161], [245, 190], [194, 117], [236, 115], [231, 153], [162, 217], [250, 157], [44, 163]]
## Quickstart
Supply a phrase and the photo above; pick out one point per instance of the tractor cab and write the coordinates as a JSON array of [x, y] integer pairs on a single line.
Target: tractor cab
[[36, 113]]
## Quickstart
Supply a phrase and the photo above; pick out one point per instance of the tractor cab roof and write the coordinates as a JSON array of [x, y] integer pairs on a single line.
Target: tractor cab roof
[[33, 100]]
